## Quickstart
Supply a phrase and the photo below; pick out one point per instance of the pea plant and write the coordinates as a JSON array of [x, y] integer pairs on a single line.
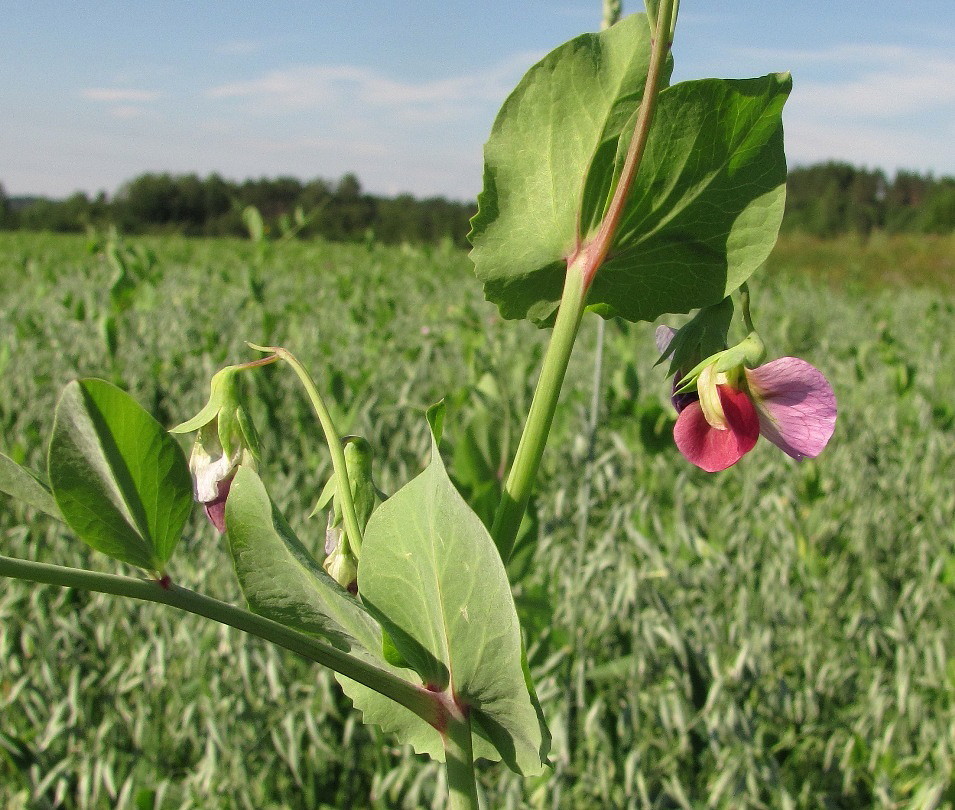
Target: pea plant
[[605, 189]]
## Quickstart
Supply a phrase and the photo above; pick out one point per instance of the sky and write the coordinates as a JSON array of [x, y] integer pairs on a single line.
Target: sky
[[404, 94]]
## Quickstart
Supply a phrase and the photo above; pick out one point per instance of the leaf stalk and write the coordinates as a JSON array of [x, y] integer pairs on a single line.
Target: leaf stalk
[[425, 704], [582, 266], [332, 438], [662, 37], [459, 761]]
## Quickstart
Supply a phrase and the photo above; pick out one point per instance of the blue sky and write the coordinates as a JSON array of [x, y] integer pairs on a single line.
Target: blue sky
[[404, 93]]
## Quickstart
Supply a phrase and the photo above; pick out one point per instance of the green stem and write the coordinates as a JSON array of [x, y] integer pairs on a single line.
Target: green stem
[[520, 481], [342, 486], [744, 305], [419, 700], [459, 760], [582, 266]]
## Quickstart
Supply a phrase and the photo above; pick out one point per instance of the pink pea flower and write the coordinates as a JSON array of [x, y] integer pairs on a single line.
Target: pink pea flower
[[788, 401]]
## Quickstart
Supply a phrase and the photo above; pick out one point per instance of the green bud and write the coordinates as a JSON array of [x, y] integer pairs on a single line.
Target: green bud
[[341, 565], [342, 551], [358, 458], [225, 439]]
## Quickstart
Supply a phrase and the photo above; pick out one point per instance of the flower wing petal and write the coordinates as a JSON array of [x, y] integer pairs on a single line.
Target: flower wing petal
[[795, 404], [711, 449]]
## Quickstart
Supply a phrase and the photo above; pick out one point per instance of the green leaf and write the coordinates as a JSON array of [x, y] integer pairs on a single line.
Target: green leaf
[[282, 581], [431, 574], [22, 484], [119, 480], [706, 205], [548, 164]]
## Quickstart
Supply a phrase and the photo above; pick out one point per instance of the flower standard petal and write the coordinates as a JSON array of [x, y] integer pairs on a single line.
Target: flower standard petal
[[663, 336], [795, 404], [712, 449]]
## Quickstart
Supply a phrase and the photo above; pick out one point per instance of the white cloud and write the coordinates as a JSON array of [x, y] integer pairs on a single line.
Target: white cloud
[[422, 136], [882, 106], [118, 94], [876, 81], [314, 86], [867, 145]]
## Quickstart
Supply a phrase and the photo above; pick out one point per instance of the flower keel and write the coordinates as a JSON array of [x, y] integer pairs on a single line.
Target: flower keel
[[714, 449]]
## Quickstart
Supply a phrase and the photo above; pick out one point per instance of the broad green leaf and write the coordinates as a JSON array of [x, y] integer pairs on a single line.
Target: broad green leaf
[[706, 205], [282, 581], [702, 215], [392, 718], [22, 484], [431, 574], [548, 164], [119, 480]]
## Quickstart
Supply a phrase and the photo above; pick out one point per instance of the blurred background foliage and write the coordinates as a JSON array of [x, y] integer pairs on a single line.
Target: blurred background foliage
[[779, 635]]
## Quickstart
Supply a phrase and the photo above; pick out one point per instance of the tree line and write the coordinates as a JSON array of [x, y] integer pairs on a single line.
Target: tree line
[[213, 206], [836, 198], [825, 200]]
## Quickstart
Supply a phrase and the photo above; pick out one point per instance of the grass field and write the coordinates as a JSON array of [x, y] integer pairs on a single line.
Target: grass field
[[777, 635]]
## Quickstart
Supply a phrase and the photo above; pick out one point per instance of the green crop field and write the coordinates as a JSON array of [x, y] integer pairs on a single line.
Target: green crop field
[[777, 635]]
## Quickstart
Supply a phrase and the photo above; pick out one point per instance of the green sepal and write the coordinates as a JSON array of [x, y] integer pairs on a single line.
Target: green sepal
[[326, 497], [209, 412], [222, 394], [228, 430], [250, 435], [704, 335], [749, 353]]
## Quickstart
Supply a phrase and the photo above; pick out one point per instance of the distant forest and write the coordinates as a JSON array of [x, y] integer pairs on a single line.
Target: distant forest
[[824, 200]]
